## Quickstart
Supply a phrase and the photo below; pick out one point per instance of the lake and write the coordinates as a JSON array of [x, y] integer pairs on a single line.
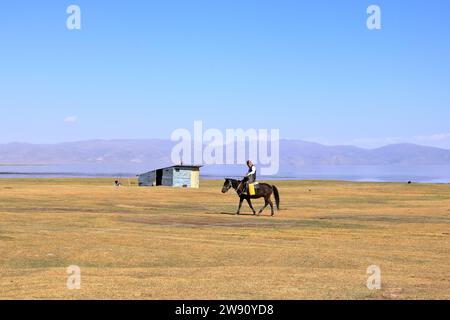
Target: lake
[[429, 174]]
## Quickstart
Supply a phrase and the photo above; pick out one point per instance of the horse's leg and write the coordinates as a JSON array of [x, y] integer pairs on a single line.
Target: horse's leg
[[250, 205], [240, 205], [265, 205], [271, 206]]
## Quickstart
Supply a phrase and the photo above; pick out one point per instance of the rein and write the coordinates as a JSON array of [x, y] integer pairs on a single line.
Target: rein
[[237, 189], [233, 183]]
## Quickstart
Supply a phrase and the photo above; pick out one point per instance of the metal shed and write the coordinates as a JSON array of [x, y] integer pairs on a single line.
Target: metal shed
[[175, 176]]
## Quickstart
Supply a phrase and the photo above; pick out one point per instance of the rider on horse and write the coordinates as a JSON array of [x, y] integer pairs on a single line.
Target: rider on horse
[[251, 175], [264, 190]]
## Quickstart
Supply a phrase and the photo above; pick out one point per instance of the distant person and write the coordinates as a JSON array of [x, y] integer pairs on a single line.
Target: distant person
[[117, 183]]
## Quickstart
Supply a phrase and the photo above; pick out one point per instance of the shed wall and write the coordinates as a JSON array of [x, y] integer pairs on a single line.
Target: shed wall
[[147, 179], [167, 179], [172, 177], [195, 178]]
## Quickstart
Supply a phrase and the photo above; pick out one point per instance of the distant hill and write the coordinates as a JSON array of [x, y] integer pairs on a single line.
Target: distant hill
[[295, 153], [154, 153]]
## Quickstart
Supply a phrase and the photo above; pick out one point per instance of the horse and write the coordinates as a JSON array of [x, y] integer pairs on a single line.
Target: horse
[[264, 191]]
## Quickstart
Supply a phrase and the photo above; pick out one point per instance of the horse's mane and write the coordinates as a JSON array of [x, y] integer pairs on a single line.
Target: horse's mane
[[234, 182]]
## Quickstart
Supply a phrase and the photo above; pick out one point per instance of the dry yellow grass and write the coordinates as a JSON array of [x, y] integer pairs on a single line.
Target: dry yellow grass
[[163, 243]]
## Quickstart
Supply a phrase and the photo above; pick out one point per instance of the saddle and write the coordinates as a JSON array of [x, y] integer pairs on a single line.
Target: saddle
[[252, 188]]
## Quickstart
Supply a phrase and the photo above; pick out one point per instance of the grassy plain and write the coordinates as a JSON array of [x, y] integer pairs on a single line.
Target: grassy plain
[[164, 243]]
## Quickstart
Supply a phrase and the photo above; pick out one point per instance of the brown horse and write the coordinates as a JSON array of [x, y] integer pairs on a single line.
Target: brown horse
[[264, 191]]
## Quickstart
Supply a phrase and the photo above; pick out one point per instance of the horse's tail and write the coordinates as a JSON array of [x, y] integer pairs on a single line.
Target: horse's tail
[[277, 196]]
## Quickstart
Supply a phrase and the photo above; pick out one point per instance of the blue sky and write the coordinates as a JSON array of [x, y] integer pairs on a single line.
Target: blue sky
[[141, 69]]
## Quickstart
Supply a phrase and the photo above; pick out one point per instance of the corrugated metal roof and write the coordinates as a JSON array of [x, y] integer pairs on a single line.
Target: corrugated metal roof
[[175, 167]]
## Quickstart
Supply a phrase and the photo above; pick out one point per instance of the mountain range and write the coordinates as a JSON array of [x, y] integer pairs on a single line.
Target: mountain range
[[154, 153]]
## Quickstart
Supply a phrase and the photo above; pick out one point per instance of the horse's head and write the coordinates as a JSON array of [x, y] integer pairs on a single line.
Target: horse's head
[[227, 185]]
